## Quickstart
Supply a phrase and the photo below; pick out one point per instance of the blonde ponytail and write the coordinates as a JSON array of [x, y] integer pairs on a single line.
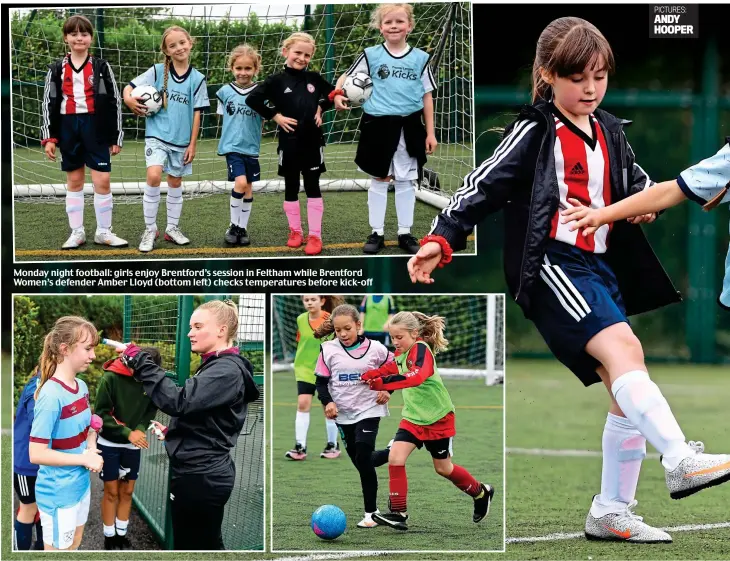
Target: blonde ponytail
[[429, 328]]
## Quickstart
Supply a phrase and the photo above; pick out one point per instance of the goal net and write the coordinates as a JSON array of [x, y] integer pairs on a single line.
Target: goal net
[[474, 328], [129, 38]]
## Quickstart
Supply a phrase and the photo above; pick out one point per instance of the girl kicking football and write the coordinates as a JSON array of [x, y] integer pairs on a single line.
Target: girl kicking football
[[353, 406], [428, 414], [580, 290]]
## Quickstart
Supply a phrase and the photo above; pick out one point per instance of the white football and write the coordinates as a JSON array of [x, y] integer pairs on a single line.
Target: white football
[[358, 88], [149, 97]]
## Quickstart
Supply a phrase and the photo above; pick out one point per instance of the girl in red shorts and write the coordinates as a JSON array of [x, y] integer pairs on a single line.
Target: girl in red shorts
[[428, 414]]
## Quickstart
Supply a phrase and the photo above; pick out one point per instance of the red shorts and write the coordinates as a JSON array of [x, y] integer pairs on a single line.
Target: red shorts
[[445, 427]]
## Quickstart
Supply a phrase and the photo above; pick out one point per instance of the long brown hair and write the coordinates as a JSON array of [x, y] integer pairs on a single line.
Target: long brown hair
[[567, 46], [328, 325], [67, 330], [429, 328], [168, 59]]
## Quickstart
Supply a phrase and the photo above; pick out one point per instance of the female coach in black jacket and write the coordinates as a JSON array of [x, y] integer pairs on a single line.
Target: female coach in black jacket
[[208, 413]]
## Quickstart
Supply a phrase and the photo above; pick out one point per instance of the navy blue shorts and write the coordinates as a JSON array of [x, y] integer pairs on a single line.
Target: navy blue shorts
[[116, 459], [575, 298], [79, 146], [240, 164]]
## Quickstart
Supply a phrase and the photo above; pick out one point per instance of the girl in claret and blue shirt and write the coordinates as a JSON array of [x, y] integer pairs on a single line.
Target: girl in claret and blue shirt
[[579, 290]]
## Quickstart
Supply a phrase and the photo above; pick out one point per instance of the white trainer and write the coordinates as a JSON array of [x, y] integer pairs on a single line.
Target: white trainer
[[697, 472], [624, 526], [76, 239], [367, 521], [107, 237], [174, 235], [147, 243]]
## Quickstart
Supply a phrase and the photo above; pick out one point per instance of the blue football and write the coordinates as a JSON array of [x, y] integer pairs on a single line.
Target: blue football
[[328, 522]]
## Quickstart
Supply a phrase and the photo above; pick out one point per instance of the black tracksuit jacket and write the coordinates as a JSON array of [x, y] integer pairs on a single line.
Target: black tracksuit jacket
[[208, 411], [520, 178]]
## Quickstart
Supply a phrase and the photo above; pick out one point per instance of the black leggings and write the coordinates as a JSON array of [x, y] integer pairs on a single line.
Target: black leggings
[[359, 442], [311, 185], [197, 508]]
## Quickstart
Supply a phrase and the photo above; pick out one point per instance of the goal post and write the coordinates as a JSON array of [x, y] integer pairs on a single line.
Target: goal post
[[129, 37], [474, 328]]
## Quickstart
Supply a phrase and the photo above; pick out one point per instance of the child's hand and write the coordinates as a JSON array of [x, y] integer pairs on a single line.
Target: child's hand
[[581, 216], [50, 149], [341, 103], [92, 460], [330, 411], [365, 377], [189, 154], [377, 386], [138, 438], [431, 144], [422, 264], [643, 219], [115, 149], [318, 117], [382, 398], [286, 123], [139, 109]]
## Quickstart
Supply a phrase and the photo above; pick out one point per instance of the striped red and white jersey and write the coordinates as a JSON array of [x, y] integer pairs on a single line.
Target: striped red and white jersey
[[583, 172], [77, 87]]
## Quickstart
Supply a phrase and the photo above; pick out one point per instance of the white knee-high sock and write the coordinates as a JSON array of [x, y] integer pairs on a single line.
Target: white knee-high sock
[[235, 201], [103, 208], [331, 431], [301, 427], [377, 205], [405, 204], [150, 206], [174, 204], [642, 402], [624, 448], [75, 209], [246, 206]]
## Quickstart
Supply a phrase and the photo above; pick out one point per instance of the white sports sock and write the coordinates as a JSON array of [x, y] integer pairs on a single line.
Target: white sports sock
[[235, 207], [246, 206], [301, 426], [109, 531], [174, 204], [624, 448], [642, 402], [331, 431], [405, 204], [377, 205], [150, 205], [75, 209], [121, 526], [103, 209]]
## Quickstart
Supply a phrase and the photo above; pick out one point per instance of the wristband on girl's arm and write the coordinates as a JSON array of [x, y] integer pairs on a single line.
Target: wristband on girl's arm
[[47, 140], [446, 251], [335, 93]]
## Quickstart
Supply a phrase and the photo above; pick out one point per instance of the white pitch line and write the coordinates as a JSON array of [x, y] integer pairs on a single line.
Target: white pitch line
[[333, 556], [564, 453], [562, 536]]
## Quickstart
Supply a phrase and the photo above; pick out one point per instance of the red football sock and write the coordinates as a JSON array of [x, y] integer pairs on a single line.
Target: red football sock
[[398, 488], [464, 481]]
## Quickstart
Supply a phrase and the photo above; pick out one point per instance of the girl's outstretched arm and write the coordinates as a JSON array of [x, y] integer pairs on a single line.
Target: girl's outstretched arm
[[653, 199]]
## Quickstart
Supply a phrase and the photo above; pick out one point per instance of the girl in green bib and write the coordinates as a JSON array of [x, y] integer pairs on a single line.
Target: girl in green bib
[[318, 309], [376, 311], [428, 413]]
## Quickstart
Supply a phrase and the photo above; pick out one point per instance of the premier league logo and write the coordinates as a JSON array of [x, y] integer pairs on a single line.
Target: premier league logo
[[383, 71], [230, 108]]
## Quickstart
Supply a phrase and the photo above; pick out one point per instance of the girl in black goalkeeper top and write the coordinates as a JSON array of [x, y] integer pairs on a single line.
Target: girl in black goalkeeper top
[[298, 97], [208, 413]]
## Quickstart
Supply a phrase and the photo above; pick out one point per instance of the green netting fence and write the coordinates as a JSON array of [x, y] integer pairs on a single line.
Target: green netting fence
[[163, 322]]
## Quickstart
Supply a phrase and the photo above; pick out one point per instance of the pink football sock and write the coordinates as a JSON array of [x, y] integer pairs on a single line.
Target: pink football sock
[[315, 210], [293, 216]]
